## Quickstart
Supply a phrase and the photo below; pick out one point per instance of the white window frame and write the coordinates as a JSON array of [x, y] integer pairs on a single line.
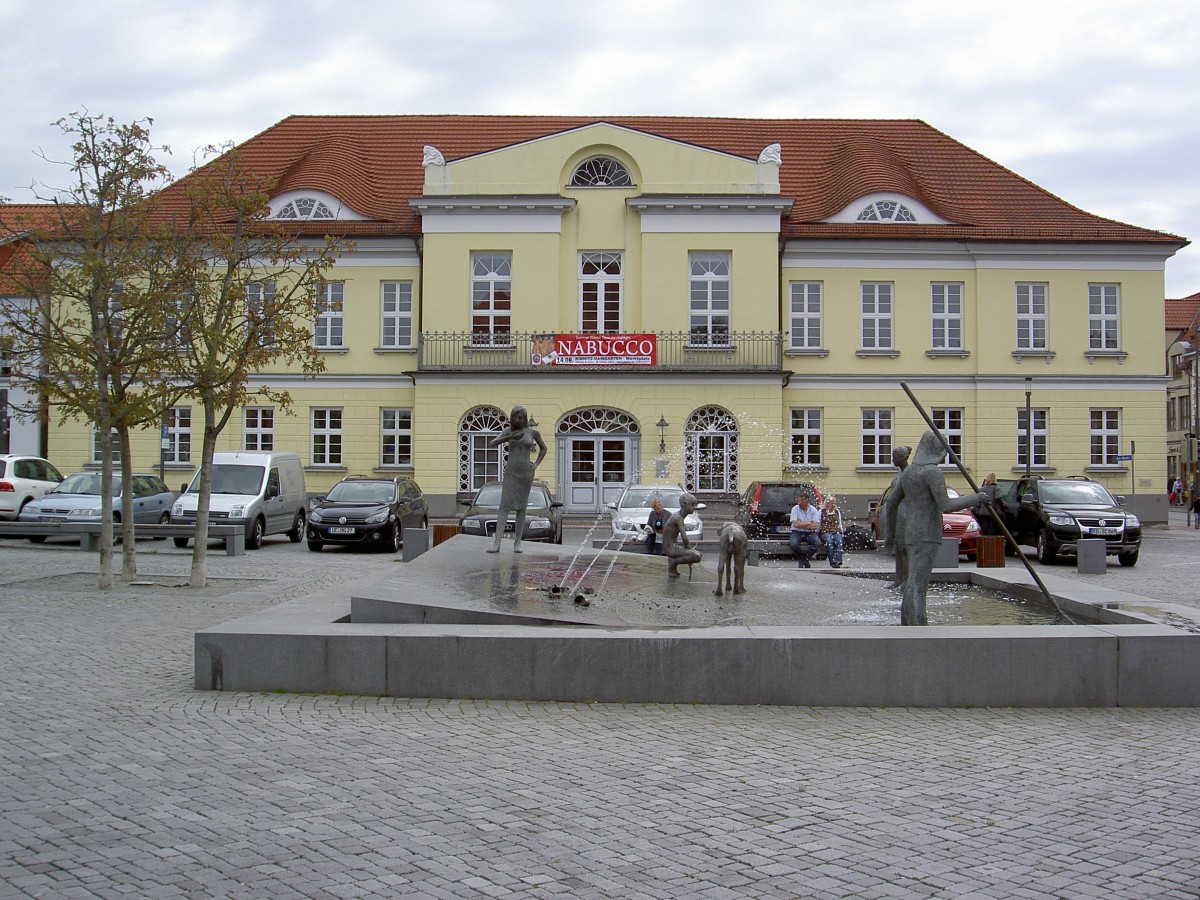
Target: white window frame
[[396, 315], [806, 318], [878, 429], [395, 437], [602, 292], [807, 438], [179, 435], [1041, 437], [710, 298], [1033, 320], [878, 310], [949, 421], [946, 315], [329, 329], [1104, 436], [97, 450], [491, 298], [1104, 317], [260, 295], [258, 428], [328, 435]]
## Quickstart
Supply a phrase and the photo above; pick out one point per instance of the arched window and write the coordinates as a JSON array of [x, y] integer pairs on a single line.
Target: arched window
[[710, 461], [601, 171], [477, 461], [886, 211], [597, 420], [305, 208]]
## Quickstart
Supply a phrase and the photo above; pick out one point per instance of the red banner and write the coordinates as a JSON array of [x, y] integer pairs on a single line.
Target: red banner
[[595, 350]]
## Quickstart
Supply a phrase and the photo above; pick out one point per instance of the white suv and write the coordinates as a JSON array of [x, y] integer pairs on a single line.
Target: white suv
[[24, 478]]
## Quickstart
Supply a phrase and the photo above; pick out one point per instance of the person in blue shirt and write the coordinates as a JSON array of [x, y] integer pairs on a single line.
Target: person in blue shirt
[[806, 526]]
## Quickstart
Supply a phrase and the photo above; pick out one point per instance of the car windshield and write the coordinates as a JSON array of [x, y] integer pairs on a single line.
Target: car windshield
[[782, 497], [641, 498], [1084, 493], [362, 492], [489, 498], [86, 483], [233, 479]]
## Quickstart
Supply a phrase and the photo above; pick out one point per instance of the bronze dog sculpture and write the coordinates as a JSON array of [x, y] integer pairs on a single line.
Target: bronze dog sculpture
[[731, 561]]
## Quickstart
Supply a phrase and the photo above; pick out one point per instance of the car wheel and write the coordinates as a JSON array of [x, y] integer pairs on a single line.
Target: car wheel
[[297, 533], [395, 538], [38, 539], [181, 542], [1047, 552], [254, 537], [164, 519], [315, 546], [1128, 559]]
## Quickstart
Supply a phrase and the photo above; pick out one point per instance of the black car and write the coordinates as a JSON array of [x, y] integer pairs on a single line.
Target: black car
[[367, 512], [1053, 514], [765, 509], [543, 514]]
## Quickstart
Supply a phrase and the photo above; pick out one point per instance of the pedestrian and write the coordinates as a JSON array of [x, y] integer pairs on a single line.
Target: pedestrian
[[806, 525], [988, 511], [1177, 492], [654, 526], [1194, 511], [833, 533]]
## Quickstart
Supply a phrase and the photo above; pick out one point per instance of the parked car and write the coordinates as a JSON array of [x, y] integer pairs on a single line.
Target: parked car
[[1053, 514], [631, 510], [367, 512], [961, 524], [543, 514], [764, 510], [22, 479], [263, 492], [77, 499]]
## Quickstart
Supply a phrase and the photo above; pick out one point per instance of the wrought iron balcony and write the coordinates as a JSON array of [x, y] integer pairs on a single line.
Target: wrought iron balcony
[[674, 351]]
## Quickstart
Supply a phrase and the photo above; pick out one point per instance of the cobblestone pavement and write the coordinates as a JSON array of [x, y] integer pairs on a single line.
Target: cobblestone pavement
[[116, 778]]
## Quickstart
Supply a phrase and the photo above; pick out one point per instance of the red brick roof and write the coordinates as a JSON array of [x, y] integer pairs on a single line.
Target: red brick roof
[[373, 163]]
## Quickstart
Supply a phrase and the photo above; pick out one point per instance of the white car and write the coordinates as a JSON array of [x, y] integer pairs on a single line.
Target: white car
[[631, 510], [24, 478]]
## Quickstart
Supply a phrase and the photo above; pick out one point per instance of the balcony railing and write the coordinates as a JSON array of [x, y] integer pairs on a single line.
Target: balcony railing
[[676, 351]]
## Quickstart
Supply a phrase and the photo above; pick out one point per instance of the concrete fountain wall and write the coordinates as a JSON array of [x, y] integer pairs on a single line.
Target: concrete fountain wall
[[458, 622]]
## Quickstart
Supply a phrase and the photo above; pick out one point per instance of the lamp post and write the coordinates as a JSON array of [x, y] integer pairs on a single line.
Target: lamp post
[[662, 434], [1028, 426]]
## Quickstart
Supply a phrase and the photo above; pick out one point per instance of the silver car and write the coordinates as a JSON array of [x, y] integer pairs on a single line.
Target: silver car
[[77, 499], [631, 510]]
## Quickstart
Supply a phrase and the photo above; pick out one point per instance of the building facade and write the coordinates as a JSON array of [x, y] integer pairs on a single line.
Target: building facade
[[706, 302]]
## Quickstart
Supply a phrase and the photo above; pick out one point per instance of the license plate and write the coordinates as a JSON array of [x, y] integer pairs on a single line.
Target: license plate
[[510, 527], [336, 529], [1105, 532], [53, 519], [782, 529]]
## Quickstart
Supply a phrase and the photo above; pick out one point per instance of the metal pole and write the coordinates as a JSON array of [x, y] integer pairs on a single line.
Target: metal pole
[[974, 487]]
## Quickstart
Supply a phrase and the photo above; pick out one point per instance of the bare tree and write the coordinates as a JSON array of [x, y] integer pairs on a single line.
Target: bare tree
[[88, 342], [252, 295]]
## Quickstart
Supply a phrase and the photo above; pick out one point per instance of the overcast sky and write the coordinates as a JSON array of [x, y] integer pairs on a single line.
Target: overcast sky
[[1097, 101]]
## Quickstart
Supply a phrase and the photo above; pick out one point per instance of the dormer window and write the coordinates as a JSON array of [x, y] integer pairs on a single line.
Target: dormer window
[[601, 171], [886, 211], [305, 208]]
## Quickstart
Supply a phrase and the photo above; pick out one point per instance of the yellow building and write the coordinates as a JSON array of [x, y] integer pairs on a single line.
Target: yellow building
[[700, 301]]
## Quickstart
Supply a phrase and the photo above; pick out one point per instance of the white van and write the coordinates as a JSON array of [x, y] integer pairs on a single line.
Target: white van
[[263, 491]]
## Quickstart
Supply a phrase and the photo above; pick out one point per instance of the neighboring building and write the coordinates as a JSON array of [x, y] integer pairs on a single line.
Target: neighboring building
[[1183, 374], [761, 287]]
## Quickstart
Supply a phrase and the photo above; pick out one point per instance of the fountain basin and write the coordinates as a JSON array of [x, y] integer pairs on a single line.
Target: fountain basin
[[458, 622]]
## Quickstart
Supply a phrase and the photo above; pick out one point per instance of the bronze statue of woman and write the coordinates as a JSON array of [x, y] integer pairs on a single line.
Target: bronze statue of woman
[[521, 438]]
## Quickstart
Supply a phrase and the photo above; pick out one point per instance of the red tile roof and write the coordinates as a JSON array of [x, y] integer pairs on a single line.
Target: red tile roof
[[1181, 313], [373, 163]]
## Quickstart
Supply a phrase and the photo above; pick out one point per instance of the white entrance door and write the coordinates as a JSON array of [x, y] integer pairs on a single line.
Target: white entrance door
[[599, 471]]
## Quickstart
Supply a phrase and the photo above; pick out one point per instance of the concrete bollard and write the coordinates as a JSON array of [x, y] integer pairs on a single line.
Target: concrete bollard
[[1091, 559], [416, 542], [947, 557]]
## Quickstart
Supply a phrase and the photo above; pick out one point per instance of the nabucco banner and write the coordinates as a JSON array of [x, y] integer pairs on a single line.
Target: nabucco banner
[[594, 350]]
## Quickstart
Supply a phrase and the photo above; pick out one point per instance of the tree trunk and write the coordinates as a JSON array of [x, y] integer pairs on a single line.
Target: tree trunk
[[200, 548]]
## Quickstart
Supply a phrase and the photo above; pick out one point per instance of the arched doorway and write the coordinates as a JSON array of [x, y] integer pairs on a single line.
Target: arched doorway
[[710, 463], [479, 462], [597, 449]]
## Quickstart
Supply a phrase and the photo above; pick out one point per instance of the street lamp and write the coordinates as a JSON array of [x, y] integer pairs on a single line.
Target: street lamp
[[1028, 426], [662, 434]]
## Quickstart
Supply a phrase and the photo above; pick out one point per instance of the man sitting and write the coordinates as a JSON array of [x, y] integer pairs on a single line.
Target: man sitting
[[806, 526]]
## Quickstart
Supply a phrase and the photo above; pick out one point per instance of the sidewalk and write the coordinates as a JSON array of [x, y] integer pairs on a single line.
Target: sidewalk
[[118, 778]]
